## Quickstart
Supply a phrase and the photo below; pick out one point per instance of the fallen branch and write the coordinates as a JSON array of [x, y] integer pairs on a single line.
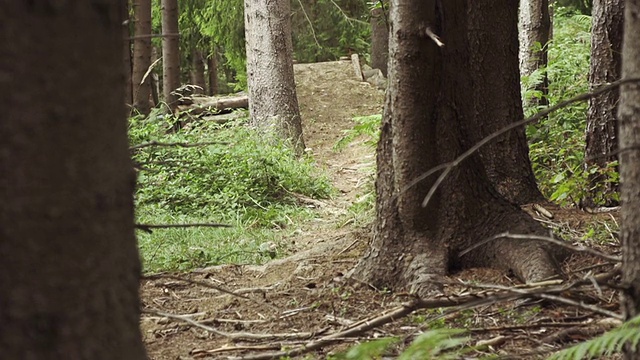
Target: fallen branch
[[148, 227], [180, 144]]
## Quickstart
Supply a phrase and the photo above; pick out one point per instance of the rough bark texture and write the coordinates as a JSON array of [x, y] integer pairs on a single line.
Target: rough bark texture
[[602, 127], [629, 117], [197, 72], [170, 52], [212, 73], [428, 120], [126, 53], [534, 26], [273, 103], [142, 56], [70, 267], [497, 102], [380, 38]]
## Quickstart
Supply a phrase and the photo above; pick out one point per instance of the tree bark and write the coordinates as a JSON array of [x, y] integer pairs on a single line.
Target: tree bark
[[602, 126], [197, 72], [380, 38], [629, 117], [273, 104], [170, 52], [534, 27], [497, 101], [430, 118], [142, 56], [70, 266], [212, 73], [126, 53]]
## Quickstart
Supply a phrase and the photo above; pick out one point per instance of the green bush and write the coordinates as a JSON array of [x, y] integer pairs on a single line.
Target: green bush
[[240, 179]]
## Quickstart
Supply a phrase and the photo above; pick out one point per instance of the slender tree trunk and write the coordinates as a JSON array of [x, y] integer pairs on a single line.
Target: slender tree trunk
[[431, 116], [629, 117], [212, 73], [602, 126], [380, 38], [142, 56], [534, 33], [197, 71], [70, 266], [126, 53], [170, 52], [273, 103]]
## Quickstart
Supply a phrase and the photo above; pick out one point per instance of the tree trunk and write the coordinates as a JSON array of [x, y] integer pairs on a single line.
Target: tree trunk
[[212, 73], [380, 38], [506, 160], [197, 72], [126, 53], [70, 266], [534, 29], [170, 52], [629, 117], [142, 56], [273, 103], [431, 116], [602, 127]]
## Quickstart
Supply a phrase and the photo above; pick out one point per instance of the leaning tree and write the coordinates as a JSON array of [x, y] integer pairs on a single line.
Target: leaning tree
[[439, 102], [70, 266]]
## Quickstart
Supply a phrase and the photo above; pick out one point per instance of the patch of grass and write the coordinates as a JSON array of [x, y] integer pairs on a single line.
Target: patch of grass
[[240, 179]]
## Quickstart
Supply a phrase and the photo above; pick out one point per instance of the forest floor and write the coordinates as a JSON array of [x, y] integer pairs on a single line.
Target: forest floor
[[304, 300]]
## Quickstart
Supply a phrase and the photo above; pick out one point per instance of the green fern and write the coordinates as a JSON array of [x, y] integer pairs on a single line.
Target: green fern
[[606, 344]]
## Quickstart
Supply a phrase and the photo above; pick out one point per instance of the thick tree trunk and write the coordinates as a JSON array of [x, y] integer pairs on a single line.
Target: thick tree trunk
[[629, 115], [126, 53], [170, 52], [380, 38], [534, 29], [212, 73], [70, 267], [273, 103], [428, 120], [197, 71], [506, 160], [142, 56], [602, 126]]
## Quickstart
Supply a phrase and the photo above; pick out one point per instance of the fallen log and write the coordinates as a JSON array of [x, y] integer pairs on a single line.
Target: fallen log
[[200, 104]]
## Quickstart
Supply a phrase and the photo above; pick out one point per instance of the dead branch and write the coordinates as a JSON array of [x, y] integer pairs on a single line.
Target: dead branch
[[448, 167], [196, 282], [557, 242], [148, 227], [180, 144]]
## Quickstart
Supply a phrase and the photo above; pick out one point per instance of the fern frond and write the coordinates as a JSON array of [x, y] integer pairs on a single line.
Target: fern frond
[[608, 343]]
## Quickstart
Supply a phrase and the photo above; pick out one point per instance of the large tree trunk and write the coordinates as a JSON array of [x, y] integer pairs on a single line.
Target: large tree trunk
[[602, 126], [431, 116], [70, 267], [497, 101], [142, 56], [273, 103], [380, 38], [534, 29], [170, 52], [629, 115]]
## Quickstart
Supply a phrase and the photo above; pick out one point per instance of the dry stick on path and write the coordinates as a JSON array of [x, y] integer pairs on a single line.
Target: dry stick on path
[[448, 167]]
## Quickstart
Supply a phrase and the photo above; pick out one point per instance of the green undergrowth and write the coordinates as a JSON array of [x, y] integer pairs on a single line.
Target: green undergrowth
[[234, 177], [367, 128], [557, 142]]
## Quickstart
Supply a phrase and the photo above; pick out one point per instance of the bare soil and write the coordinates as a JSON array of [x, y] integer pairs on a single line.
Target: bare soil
[[296, 300]]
